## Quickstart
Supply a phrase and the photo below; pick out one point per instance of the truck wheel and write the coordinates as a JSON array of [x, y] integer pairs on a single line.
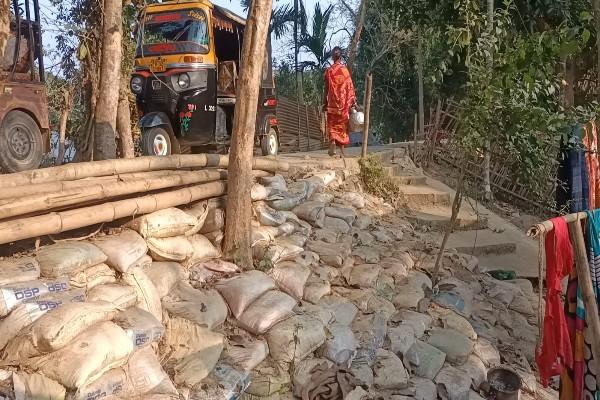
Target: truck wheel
[[20, 143], [156, 142], [269, 143]]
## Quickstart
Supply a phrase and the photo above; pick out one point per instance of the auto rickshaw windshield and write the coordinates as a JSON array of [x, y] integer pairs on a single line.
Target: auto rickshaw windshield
[[174, 32]]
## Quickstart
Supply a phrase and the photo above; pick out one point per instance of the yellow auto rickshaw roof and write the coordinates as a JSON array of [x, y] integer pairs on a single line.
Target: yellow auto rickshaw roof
[[177, 5]]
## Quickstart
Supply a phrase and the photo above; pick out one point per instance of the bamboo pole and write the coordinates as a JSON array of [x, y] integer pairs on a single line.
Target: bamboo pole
[[368, 91], [57, 222], [589, 297], [129, 165], [547, 226]]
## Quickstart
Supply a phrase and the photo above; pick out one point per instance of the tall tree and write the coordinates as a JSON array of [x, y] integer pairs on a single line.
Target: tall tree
[[360, 22], [105, 146], [237, 244], [4, 23], [315, 41]]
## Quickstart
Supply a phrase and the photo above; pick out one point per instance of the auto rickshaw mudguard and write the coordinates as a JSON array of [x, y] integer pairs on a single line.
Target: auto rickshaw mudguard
[[155, 118]]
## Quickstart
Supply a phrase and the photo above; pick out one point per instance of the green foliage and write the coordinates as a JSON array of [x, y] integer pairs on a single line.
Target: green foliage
[[315, 41], [377, 181]]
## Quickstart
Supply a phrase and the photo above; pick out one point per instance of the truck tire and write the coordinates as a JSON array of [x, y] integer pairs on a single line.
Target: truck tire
[[21, 145], [156, 141], [269, 143]]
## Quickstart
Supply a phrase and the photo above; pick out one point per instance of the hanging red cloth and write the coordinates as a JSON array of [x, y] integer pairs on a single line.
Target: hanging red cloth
[[555, 350]]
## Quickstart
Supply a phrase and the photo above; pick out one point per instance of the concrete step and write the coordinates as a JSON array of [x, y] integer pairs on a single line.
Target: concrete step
[[437, 218], [409, 179], [482, 242], [418, 196]]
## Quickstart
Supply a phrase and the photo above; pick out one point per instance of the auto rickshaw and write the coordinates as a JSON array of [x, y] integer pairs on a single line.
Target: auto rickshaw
[[185, 75]]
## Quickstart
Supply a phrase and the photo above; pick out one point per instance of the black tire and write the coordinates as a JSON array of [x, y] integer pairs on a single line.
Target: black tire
[[21, 145], [156, 141], [269, 143]]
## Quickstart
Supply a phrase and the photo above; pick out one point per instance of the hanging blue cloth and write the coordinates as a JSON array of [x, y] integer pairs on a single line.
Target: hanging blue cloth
[[572, 192]]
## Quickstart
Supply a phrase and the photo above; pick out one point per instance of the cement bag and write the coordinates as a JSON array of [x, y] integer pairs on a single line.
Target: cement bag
[[263, 234], [141, 375], [337, 225], [13, 295], [123, 250], [165, 275], [91, 354], [286, 202], [268, 216], [291, 278], [55, 330], [341, 345], [204, 307], [241, 290], [177, 248], [347, 214], [354, 199], [202, 249], [274, 182], [215, 220], [302, 373], [303, 188], [330, 254], [67, 258], [121, 296], [217, 265], [295, 338], [147, 295], [266, 311], [141, 326], [38, 387], [216, 238], [316, 288], [200, 212], [17, 270], [296, 240], [27, 313], [259, 192], [312, 212], [192, 351], [164, 223], [276, 251], [245, 354], [93, 276], [269, 378], [325, 178]]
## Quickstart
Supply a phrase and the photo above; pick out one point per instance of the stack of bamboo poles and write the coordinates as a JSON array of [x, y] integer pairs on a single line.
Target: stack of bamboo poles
[[59, 199]]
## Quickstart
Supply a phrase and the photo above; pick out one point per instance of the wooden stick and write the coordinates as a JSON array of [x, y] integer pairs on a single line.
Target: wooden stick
[[57, 222], [547, 226], [368, 91], [589, 297], [71, 172]]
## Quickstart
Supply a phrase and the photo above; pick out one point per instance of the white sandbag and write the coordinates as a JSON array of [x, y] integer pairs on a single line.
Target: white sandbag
[[241, 290], [295, 338], [38, 387], [27, 313], [246, 354], [363, 275], [17, 270], [164, 223], [142, 375], [296, 240], [55, 330], [316, 288], [193, 351], [337, 225], [276, 251], [215, 220], [259, 192], [123, 249], [121, 296], [324, 178], [200, 212], [267, 216], [204, 307], [354, 199], [13, 295], [330, 254], [67, 258], [341, 345], [202, 249], [219, 265], [177, 248], [264, 234], [274, 182], [312, 212], [93, 276], [147, 295], [269, 309], [291, 278], [216, 238], [92, 353], [322, 197], [165, 275], [347, 214], [142, 327]]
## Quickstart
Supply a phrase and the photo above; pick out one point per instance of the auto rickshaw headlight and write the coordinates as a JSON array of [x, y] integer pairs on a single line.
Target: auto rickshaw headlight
[[137, 84], [183, 81]]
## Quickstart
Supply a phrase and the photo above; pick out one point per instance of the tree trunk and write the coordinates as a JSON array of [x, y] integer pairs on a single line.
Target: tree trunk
[[368, 90], [4, 24], [420, 83], [64, 118], [360, 22], [105, 146], [126, 148], [239, 213], [487, 187]]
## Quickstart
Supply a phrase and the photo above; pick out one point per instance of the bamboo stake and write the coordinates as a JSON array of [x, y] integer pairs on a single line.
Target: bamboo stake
[[129, 165], [547, 226], [589, 297], [57, 222]]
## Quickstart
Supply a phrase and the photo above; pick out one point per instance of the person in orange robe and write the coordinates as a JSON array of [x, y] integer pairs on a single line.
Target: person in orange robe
[[339, 98]]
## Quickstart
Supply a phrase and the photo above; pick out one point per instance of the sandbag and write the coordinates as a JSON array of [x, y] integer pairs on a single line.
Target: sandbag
[[312, 212], [259, 192], [219, 265], [165, 275], [38, 387], [121, 296], [301, 227], [336, 225], [17, 270], [286, 201], [199, 211], [204, 307], [67, 258], [147, 296], [347, 214], [241, 290], [291, 278], [141, 326], [192, 351], [246, 354], [266, 311], [202, 249], [27, 313], [164, 223], [276, 251], [324, 178], [322, 197], [354, 199], [316, 288], [303, 188], [296, 240], [274, 182], [215, 220], [269, 378], [216, 238], [268, 216], [122, 250], [302, 374], [93, 276], [13, 295], [340, 346], [177, 248], [263, 234], [330, 254], [92, 353], [295, 338], [363, 275]]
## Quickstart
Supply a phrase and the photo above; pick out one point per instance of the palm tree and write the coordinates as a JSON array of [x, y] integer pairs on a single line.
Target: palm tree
[[280, 18], [316, 41]]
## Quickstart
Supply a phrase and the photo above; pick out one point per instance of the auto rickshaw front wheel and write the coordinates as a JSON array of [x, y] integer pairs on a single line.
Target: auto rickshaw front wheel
[[21, 146], [269, 143], [156, 141]]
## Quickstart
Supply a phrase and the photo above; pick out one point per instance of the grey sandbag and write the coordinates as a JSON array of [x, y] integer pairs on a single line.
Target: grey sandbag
[[347, 214], [268, 216], [312, 212]]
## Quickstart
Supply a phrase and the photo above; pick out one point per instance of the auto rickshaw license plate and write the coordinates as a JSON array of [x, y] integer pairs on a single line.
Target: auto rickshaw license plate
[[158, 65]]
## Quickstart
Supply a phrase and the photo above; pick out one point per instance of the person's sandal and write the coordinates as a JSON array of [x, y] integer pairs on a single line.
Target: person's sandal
[[331, 151]]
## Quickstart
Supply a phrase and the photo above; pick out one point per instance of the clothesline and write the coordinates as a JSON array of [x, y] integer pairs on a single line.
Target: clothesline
[[547, 226]]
